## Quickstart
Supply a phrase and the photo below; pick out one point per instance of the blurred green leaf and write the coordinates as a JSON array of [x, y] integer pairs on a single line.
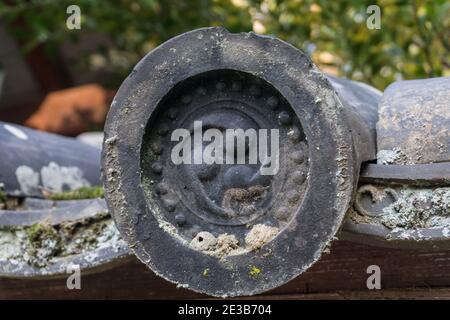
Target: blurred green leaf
[[413, 41]]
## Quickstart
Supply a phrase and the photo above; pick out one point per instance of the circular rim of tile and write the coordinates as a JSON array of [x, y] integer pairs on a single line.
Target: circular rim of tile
[[332, 171]]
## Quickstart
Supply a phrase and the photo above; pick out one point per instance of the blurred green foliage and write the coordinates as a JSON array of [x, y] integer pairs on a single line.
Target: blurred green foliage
[[413, 41]]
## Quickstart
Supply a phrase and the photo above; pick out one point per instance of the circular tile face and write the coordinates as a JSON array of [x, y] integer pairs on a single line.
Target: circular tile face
[[224, 164], [228, 162]]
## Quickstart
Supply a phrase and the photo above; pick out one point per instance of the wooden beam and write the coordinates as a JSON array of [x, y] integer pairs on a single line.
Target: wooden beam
[[338, 275]]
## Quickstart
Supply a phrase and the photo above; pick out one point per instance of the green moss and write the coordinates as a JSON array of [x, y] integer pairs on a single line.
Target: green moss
[[44, 243], [82, 193], [148, 185], [39, 232], [38, 244], [206, 272], [254, 271], [2, 197]]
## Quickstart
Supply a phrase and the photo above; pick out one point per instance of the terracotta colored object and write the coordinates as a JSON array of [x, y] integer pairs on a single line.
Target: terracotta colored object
[[72, 111]]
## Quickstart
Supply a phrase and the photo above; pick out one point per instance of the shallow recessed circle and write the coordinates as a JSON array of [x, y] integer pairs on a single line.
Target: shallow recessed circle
[[224, 197], [221, 224]]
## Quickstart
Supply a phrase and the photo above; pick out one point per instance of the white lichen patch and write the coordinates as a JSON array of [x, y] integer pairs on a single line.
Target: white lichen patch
[[40, 245], [395, 156], [55, 177], [259, 235], [204, 241], [445, 232], [52, 177], [28, 179], [224, 245], [407, 212], [419, 208], [10, 243]]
